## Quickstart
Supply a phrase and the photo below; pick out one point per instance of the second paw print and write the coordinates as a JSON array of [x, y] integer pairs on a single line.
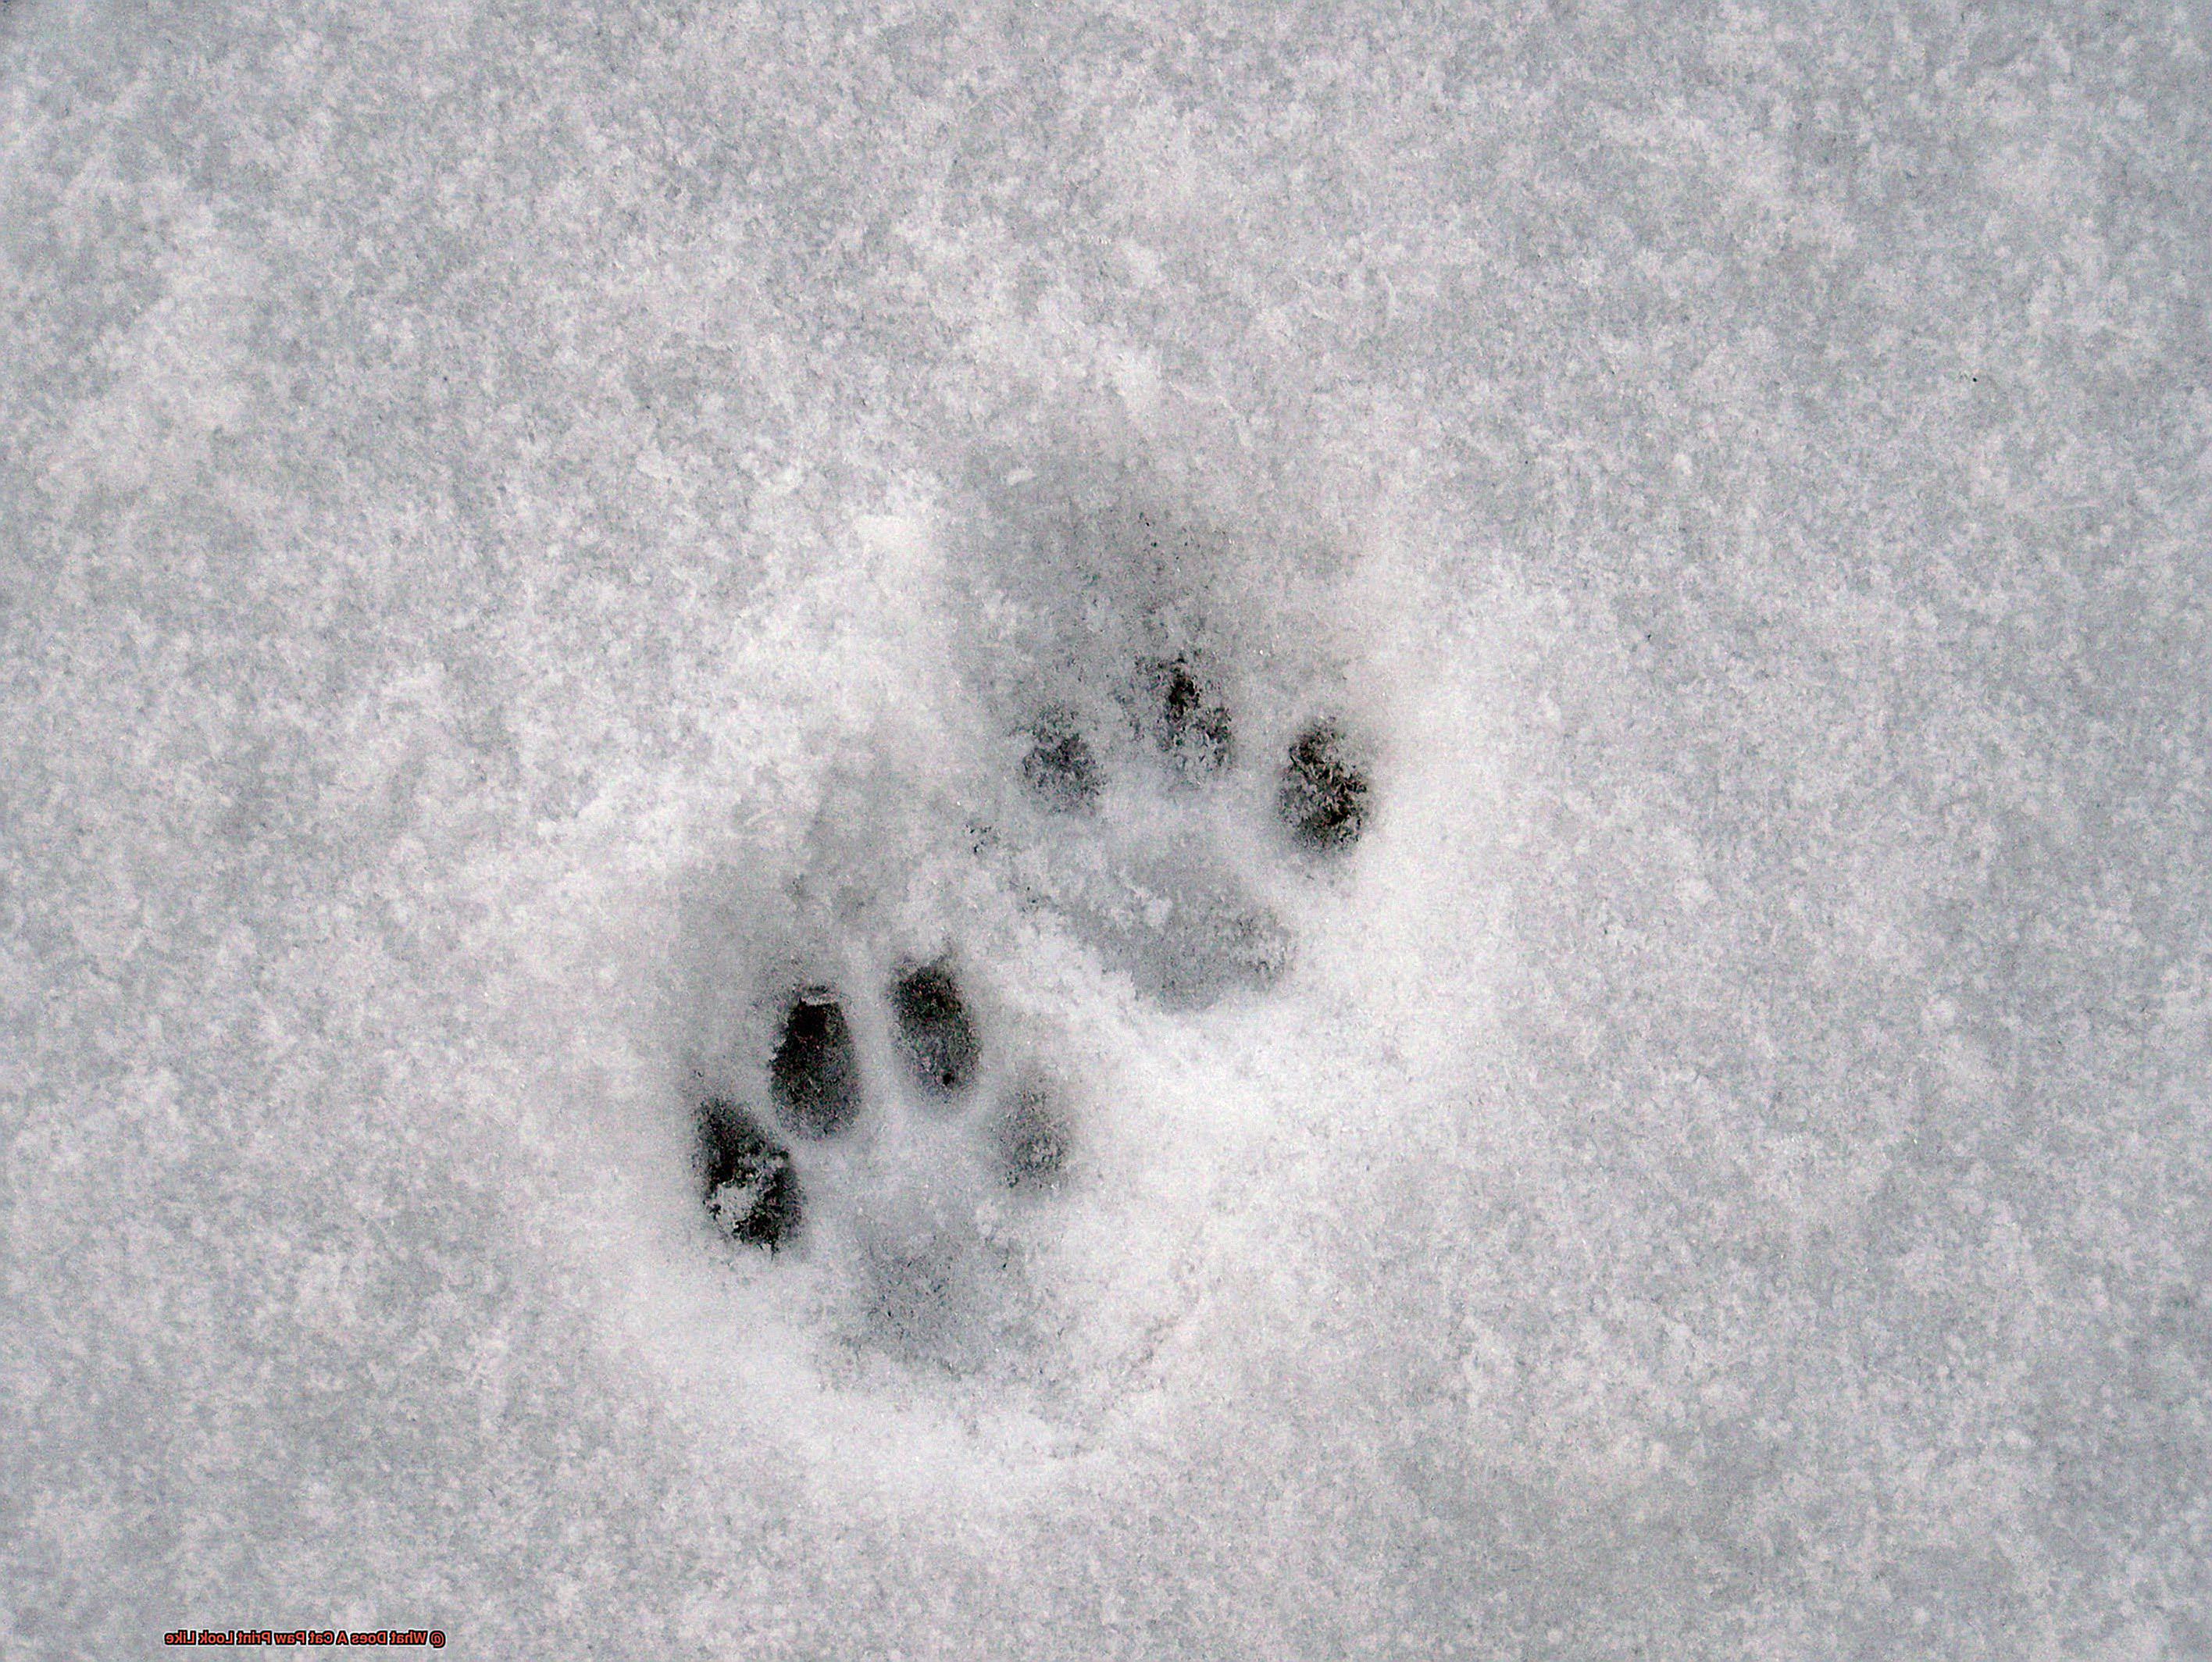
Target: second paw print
[[1169, 888]]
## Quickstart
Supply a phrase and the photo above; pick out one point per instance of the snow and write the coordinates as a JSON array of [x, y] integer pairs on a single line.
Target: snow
[[529, 535]]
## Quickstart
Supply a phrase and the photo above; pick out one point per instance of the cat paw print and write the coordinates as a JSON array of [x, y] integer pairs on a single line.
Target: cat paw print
[[1144, 831], [1126, 774], [860, 1083], [837, 1126]]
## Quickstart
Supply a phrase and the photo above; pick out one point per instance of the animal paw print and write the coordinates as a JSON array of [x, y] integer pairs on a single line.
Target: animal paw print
[[1120, 781], [1152, 888], [1189, 933], [753, 1167]]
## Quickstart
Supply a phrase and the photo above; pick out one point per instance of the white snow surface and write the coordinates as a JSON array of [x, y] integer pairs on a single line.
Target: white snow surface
[[527, 533]]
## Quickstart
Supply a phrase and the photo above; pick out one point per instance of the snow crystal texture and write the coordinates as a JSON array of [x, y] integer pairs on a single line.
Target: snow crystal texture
[[1077, 831]]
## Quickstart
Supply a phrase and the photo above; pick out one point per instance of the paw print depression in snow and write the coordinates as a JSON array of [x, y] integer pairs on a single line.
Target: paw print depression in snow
[[1193, 938], [1125, 769], [753, 1166]]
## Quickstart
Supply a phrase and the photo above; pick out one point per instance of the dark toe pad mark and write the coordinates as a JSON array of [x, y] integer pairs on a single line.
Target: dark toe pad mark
[[1323, 795], [1190, 723], [935, 1034], [815, 1075], [746, 1178], [1032, 1139], [1060, 767]]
